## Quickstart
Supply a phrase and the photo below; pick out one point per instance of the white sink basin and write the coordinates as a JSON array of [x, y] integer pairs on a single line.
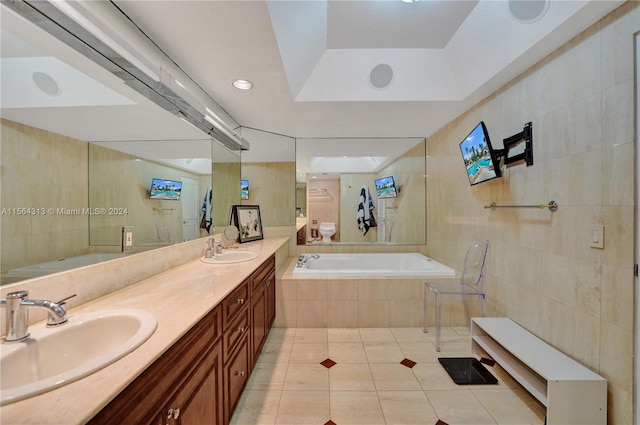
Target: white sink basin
[[231, 257], [53, 357]]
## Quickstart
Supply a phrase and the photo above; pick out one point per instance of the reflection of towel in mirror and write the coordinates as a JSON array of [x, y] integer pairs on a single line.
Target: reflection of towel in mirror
[[365, 207], [207, 205]]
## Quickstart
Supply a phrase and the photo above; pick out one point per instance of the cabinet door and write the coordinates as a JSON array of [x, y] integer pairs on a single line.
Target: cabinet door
[[236, 375], [199, 401], [270, 295], [259, 327]]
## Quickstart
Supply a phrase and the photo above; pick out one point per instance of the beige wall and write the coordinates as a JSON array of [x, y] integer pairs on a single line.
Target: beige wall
[[406, 213], [272, 187], [226, 191], [542, 271], [47, 172]]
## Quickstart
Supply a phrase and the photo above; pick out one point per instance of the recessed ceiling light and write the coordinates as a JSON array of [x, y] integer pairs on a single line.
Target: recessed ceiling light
[[242, 84], [409, 1]]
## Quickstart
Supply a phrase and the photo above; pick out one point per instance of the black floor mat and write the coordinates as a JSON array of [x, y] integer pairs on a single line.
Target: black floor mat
[[467, 371]]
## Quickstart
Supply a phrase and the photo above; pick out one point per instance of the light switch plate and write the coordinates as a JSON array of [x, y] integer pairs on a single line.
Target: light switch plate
[[597, 236]]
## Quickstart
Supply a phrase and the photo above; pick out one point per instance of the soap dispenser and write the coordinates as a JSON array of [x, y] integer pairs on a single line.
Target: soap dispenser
[[208, 253]]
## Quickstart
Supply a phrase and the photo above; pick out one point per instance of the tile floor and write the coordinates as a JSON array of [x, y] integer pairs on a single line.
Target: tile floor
[[368, 384]]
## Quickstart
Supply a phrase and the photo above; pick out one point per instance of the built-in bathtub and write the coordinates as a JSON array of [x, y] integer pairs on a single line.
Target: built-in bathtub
[[373, 264], [362, 291], [63, 264]]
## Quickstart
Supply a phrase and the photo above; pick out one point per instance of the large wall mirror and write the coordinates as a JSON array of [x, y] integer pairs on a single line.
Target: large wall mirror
[[269, 170], [335, 176], [79, 151], [122, 192]]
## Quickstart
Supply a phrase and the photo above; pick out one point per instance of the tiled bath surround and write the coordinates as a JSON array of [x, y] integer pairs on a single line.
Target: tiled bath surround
[[365, 302]]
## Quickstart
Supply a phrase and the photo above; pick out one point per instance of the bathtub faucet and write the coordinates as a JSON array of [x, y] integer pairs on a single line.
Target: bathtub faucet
[[304, 258]]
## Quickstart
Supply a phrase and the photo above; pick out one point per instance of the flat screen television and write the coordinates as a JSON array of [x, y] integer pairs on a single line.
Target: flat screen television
[[244, 189], [168, 190], [480, 159], [386, 187]]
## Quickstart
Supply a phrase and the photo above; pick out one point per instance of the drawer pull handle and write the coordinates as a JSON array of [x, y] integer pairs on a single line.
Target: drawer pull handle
[[240, 373], [240, 329], [173, 413], [240, 301]]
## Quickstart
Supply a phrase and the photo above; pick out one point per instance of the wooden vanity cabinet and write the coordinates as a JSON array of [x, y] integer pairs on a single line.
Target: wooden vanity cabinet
[[199, 380], [186, 380]]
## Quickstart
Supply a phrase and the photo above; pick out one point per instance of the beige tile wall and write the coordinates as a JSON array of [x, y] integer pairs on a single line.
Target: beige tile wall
[[407, 211], [542, 271], [44, 171], [272, 187], [357, 302]]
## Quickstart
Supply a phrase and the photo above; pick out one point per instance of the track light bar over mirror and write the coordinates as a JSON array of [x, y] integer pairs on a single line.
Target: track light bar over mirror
[[88, 28]]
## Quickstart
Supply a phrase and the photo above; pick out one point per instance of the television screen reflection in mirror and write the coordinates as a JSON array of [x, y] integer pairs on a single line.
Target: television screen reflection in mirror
[[247, 220]]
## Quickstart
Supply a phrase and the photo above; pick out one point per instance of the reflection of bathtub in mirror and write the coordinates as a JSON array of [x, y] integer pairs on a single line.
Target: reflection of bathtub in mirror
[[42, 269]]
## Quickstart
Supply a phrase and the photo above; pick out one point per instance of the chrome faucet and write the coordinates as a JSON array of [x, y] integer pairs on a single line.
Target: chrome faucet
[[16, 324], [304, 258], [217, 247]]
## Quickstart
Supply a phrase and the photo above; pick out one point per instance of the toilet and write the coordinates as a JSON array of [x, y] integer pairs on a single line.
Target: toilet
[[327, 230]]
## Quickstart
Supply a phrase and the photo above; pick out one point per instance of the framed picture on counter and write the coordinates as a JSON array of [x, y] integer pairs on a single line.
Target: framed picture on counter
[[247, 220]]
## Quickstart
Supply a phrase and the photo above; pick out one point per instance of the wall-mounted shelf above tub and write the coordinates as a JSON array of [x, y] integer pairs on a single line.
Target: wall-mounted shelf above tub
[[552, 205]]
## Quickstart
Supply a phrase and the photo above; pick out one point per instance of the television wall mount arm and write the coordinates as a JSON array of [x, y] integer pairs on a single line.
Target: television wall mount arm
[[525, 135]]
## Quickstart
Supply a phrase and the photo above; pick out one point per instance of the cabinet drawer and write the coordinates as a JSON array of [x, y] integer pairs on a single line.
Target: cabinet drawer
[[261, 275], [234, 333], [235, 302]]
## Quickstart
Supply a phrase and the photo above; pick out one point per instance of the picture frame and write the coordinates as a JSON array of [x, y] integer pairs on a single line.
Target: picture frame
[[248, 221]]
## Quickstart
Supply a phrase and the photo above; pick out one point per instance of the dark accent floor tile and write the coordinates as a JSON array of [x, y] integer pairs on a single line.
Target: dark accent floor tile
[[328, 363], [488, 362], [330, 423], [441, 422], [408, 363]]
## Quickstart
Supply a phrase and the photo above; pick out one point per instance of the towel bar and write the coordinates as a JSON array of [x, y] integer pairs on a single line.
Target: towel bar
[[552, 205]]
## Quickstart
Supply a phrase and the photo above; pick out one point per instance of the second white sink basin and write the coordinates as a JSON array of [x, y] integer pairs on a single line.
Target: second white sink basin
[[53, 357], [231, 257]]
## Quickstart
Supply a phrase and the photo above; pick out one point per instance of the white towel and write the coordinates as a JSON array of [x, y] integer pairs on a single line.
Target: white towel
[[365, 207]]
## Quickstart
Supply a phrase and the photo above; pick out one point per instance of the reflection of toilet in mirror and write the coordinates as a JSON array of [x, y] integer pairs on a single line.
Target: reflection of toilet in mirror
[[327, 230]]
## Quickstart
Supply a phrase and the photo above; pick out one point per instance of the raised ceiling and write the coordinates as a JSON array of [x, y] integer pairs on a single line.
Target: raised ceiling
[[310, 61]]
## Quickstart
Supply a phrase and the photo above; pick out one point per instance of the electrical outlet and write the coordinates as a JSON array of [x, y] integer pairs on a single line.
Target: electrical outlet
[[127, 238]]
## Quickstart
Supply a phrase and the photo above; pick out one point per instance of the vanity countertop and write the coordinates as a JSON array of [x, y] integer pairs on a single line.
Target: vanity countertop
[[179, 298]]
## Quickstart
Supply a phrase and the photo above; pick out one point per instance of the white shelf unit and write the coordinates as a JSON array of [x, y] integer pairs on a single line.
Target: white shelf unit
[[572, 393]]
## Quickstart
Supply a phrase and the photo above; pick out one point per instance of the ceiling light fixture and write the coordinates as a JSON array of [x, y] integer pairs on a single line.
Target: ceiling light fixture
[[409, 1], [242, 84]]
